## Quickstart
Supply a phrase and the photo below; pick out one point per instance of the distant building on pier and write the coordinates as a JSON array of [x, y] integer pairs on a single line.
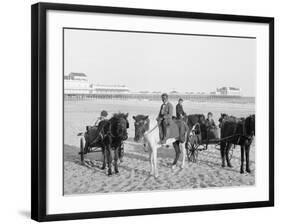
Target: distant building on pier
[[109, 89], [228, 91], [76, 83]]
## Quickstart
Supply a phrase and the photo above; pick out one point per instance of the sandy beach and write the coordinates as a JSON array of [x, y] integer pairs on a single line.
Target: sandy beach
[[134, 170]]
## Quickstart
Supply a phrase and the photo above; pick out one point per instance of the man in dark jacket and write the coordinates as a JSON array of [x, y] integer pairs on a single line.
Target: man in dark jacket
[[179, 109], [164, 117]]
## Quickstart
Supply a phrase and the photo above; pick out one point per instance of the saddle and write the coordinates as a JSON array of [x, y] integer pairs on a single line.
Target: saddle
[[176, 129]]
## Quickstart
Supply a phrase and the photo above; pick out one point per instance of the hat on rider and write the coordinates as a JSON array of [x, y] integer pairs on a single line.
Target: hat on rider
[[104, 113]]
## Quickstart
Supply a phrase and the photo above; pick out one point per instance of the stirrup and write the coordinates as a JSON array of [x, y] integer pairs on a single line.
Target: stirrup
[[162, 142]]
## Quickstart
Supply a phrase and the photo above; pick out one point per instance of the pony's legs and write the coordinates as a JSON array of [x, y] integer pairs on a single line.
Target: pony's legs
[[104, 158], [247, 149], [116, 156], [228, 146], [222, 149], [109, 159], [182, 147], [151, 163], [86, 147], [177, 150], [155, 162], [242, 158]]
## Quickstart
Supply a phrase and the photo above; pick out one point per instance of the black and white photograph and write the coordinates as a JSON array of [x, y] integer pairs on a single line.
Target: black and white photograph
[[157, 111], [142, 111]]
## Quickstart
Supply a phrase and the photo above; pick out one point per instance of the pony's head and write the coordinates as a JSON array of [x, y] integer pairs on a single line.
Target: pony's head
[[141, 126], [250, 125], [222, 117], [119, 125]]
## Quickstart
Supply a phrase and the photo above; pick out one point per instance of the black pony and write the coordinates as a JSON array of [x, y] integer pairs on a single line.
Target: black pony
[[238, 131], [109, 136]]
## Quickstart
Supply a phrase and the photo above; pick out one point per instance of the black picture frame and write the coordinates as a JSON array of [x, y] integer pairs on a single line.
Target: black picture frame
[[39, 108]]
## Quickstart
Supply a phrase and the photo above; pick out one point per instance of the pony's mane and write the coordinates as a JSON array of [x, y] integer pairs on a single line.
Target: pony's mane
[[140, 117], [192, 119], [119, 115], [249, 128], [197, 115], [252, 116], [193, 116], [227, 117]]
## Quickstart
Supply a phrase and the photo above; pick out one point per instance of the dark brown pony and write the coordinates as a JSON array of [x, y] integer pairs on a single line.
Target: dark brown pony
[[193, 119], [237, 131], [109, 136]]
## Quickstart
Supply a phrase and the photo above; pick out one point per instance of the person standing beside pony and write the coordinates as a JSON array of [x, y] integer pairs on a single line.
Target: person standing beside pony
[[164, 117]]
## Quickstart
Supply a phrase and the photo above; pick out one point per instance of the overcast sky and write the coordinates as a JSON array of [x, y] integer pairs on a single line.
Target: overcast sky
[[162, 62]]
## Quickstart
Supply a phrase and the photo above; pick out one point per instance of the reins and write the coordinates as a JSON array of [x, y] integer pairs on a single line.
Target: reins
[[102, 135], [151, 130], [146, 133]]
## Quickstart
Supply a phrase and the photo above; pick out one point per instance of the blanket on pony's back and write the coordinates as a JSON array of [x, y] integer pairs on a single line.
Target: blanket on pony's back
[[177, 129]]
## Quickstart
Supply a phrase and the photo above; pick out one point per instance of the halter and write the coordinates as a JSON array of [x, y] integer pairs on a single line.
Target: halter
[[146, 132], [149, 131]]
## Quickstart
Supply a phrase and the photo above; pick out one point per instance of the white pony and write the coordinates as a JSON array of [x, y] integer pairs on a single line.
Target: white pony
[[149, 134]]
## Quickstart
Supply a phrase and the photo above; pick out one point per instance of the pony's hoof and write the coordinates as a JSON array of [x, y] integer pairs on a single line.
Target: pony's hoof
[[116, 171], [182, 166], [103, 167], [174, 167], [248, 170], [109, 173], [229, 165], [241, 171], [223, 165]]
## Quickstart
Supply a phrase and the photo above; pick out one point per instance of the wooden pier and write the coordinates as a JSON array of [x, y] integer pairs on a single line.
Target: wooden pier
[[157, 97]]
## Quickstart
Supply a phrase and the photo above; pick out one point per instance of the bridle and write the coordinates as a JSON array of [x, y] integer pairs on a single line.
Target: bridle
[[109, 133], [145, 131]]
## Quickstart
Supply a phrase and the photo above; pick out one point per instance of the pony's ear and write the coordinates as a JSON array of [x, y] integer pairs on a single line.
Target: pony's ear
[[134, 117], [146, 117]]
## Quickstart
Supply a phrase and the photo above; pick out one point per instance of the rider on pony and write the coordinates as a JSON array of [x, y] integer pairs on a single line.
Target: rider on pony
[[164, 118]]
